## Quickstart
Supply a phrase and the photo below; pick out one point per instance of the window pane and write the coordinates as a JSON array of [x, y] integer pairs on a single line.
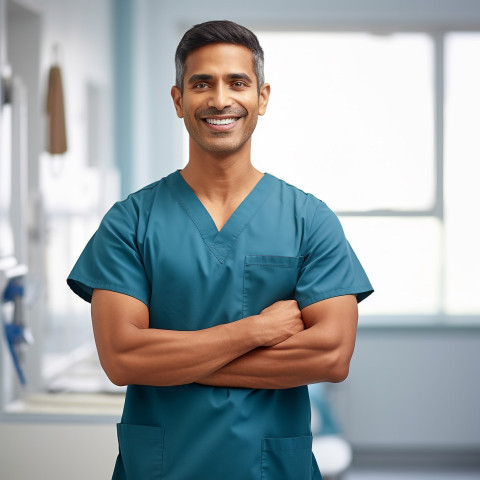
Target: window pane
[[72, 202], [401, 257], [67, 324], [350, 117], [462, 173]]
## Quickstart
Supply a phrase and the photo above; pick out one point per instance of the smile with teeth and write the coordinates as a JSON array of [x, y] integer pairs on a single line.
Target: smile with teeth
[[220, 121]]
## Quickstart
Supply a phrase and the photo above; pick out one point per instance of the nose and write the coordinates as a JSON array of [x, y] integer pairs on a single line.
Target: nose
[[220, 97]]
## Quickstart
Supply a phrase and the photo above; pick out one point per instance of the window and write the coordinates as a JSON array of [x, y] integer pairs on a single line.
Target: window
[[366, 129], [462, 174], [72, 205]]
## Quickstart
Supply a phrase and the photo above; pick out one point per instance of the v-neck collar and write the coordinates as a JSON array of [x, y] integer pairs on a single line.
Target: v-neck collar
[[218, 242]]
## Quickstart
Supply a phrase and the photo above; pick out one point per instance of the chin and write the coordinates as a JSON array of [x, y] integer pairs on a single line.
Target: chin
[[224, 148]]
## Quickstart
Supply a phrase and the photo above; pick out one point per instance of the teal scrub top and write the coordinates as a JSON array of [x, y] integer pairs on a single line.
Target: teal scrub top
[[161, 246]]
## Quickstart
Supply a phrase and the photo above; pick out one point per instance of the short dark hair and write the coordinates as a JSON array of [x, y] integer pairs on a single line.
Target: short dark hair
[[217, 31]]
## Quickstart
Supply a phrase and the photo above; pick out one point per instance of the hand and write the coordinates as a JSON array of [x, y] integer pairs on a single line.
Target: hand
[[279, 322]]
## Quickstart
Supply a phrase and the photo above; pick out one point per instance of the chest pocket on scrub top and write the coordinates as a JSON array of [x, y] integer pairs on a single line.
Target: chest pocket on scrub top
[[268, 279]]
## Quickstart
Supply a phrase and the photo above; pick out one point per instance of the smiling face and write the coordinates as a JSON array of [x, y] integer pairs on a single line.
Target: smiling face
[[220, 103]]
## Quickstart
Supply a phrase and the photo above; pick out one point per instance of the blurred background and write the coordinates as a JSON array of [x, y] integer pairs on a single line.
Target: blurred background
[[377, 105]]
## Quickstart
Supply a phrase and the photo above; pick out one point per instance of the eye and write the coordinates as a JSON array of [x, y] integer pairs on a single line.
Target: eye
[[239, 84], [200, 86]]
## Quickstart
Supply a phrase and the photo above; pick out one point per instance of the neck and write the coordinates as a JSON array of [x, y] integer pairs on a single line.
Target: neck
[[220, 177]]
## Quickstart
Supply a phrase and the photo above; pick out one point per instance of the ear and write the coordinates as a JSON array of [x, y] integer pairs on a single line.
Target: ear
[[177, 101], [263, 98]]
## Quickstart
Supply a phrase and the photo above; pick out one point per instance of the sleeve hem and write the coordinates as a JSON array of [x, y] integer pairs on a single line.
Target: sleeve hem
[[360, 291], [84, 288]]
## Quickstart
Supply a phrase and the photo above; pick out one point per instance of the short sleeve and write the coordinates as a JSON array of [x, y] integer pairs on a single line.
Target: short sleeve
[[111, 260], [331, 267]]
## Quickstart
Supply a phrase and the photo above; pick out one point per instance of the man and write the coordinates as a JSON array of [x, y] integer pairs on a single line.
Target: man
[[219, 292]]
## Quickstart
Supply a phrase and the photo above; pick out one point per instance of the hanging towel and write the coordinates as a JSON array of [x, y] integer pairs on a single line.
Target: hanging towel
[[57, 137]]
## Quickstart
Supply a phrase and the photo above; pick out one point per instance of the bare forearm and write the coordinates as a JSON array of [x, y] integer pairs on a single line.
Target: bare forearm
[[132, 353], [320, 353], [168, 357], [297, 361]]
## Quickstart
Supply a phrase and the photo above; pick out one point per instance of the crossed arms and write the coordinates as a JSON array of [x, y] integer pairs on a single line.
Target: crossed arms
[[282, 347]]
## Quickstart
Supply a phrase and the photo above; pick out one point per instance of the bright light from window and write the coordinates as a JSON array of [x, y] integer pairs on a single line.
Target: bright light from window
[[462, 173], [401, 256], [350, 117]]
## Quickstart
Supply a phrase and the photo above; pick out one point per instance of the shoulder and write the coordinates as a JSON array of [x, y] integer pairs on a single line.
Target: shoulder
[[139, 203], [142, 200], [133, 213], [316, 218], [304, 204]]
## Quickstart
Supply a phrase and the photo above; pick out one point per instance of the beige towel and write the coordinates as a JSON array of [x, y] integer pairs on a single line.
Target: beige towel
[[57, 137]]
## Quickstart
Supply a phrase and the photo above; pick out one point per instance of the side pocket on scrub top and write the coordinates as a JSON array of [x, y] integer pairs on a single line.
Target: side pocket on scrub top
[[141, 450], [268, 279], [287, 458]]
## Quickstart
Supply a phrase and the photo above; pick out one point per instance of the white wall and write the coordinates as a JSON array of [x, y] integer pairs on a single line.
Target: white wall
[[57, 451], [83, 30], [412, 389]]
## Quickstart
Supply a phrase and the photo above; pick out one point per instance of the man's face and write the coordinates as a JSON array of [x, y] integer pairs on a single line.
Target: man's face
[[220, 102]]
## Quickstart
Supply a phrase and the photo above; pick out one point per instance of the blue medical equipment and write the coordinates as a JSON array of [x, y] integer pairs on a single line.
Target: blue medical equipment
[[17, 335]]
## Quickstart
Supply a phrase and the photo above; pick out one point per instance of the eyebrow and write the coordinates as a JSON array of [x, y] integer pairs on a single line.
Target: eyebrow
[[205, 77], [240, 76]]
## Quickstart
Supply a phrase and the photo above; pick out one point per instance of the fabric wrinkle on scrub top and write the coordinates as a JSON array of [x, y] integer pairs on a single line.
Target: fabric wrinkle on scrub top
[[161, 246]]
